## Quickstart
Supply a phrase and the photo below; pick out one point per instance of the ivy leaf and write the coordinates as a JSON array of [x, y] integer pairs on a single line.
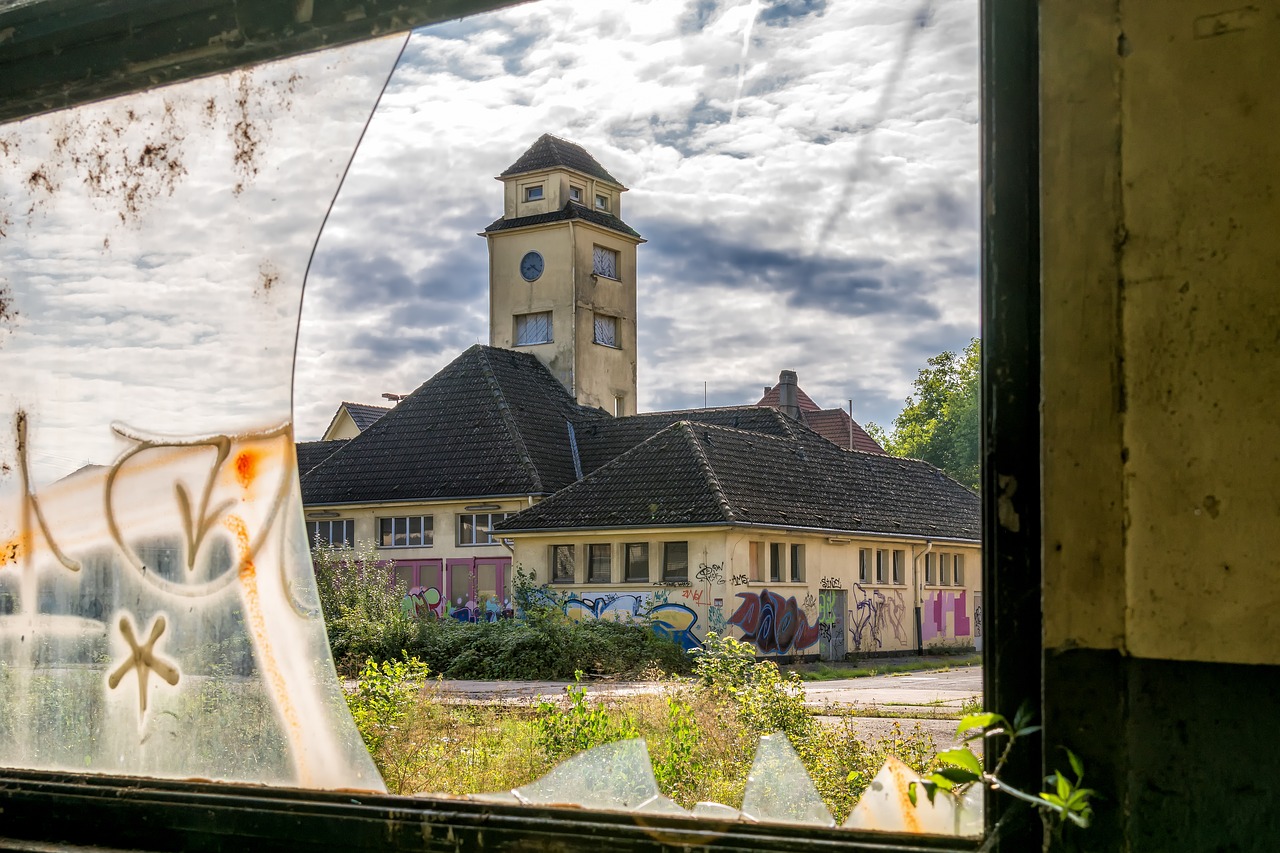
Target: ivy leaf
[[1053, 800], [961, 758], [911, 792], [1076, 764], [978, 721], [956, 776], [1064, 788]]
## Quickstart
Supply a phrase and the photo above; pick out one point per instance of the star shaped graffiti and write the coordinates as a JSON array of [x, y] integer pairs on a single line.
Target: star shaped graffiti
[[143, 658]]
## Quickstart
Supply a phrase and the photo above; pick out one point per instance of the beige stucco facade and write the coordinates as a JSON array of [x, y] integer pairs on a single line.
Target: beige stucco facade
[[343, 427], [838, 603], [599, 375]]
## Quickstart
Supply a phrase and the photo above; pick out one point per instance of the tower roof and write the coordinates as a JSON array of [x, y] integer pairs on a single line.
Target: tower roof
[[551, 152]]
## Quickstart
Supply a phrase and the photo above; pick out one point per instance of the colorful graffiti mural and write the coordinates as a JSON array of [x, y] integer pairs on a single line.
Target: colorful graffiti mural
[[773, 624], [872, 614], [937, 606], [674, 621]]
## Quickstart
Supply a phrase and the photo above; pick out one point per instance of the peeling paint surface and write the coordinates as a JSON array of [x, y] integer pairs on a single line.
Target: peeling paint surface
[[158, 614]]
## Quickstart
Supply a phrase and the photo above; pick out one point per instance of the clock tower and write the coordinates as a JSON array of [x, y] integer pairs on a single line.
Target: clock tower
[[562, 273]]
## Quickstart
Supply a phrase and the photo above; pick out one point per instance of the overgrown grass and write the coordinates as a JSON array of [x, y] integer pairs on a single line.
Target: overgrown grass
[[702, 735], [833, 671]]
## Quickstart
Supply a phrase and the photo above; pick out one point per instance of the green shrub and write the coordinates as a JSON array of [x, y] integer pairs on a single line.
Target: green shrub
[[766, 701], [565, 732], [361, 605]]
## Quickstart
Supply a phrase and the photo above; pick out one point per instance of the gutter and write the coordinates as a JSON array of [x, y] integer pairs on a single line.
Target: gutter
[[870, 534], [915, 594]]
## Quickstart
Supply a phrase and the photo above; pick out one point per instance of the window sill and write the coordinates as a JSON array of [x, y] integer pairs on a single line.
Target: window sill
[[607, 346], [402, 547]]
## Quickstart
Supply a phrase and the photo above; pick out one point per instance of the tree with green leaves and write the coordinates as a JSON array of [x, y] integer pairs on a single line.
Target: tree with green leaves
[[940, 423]]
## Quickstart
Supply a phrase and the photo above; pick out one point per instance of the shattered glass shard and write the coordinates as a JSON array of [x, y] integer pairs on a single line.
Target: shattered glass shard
[[886, 806], [614, 777], [779, 789]]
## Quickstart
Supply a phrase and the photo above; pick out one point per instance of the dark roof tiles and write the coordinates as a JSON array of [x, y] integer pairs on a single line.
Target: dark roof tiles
[[571, 210], [550, 152]]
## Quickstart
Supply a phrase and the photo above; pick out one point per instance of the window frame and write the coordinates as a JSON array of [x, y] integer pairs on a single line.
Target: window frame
[[554, 563], [475, 526], [152, 813], [427, 531], [593, 548], [596, 317], [666, 561], [531, 189], [627, 563], [596, 269], [345, 522], [515, 329], [795, 562]]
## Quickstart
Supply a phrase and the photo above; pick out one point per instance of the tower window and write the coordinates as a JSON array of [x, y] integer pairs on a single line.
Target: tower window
[[533, 193], [533, 328], [602, 202], [604, 262], [575, 193], [606, 330]]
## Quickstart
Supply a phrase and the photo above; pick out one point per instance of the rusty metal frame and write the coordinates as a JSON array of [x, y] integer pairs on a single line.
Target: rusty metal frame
[[56, 54]]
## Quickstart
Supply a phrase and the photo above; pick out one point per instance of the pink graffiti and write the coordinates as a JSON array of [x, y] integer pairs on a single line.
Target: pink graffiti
[[938, 605]]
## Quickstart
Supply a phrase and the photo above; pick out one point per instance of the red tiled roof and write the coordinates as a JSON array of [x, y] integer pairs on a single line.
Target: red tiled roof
[[834, 425], [805, 402]]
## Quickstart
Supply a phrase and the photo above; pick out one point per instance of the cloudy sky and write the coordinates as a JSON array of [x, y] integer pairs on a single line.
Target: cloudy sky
[[805, 173]]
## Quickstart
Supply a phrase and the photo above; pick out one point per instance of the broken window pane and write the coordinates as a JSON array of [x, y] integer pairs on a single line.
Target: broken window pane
[[161, 614]]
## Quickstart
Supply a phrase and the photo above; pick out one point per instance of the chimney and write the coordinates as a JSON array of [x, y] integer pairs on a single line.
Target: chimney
[[788, 399]]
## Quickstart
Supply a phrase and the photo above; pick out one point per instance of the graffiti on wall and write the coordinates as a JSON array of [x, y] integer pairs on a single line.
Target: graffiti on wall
[[773, 624], [713, 573], [937, 606], [674, 621], [873, 616]]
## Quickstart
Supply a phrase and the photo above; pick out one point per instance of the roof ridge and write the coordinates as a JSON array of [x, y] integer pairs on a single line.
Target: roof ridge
[[710, 472], [508, 420]]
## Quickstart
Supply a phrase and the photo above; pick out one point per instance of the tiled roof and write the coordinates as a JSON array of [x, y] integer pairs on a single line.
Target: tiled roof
[[700, 474], [492, 422], [834, 425], [550, 152], [571, 210], [772, 397], [831, 424], [312, 453], [364, 415]]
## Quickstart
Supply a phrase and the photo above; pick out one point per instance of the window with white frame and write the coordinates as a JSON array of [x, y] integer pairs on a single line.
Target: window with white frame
[[637, 562], [957, 570], [606, 330], [339, 532], [944, 569], [602, 202], [604, 261], [563, 568], [575, 193], [797, 563], [599, 563], [533, 193], [675, 561], [406, 531], [882, 557], [533, 329], [473, 528], [899, 564], [864, 564], [930, 568]]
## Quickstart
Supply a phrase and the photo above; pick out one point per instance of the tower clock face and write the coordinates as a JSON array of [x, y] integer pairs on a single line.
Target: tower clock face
[[531, 266]]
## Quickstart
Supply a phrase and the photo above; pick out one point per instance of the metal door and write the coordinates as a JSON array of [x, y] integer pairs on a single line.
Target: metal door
[[831, 629]]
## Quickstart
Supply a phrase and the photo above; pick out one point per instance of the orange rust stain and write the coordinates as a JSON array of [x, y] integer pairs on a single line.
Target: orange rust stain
[[12, 551], [246, 467], [257, 625]]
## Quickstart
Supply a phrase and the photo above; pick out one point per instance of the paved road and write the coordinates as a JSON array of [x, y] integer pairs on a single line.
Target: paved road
[[907, 693]]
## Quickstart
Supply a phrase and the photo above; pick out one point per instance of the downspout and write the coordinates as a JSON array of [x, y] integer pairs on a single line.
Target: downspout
[[573, 317], [915, 594]]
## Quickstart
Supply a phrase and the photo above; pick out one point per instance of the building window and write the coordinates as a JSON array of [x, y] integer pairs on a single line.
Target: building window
[[619, 405], [756, 560], [899, 561], [575, 193], [880, 559], [562, 568], [602, 202], [533, 328], [944, 569], [930, 569], [957, 574], [775, 562], [599, 563], [406, 532], [797, 563], [473, 528], [340, 532], [604, 262], [675, 561], [606, 333], [637, 562], [864, 564], [533, 193]]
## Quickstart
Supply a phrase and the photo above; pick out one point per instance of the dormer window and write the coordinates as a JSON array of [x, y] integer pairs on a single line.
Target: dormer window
[[602, 202], [533, 193], [575, 193]]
